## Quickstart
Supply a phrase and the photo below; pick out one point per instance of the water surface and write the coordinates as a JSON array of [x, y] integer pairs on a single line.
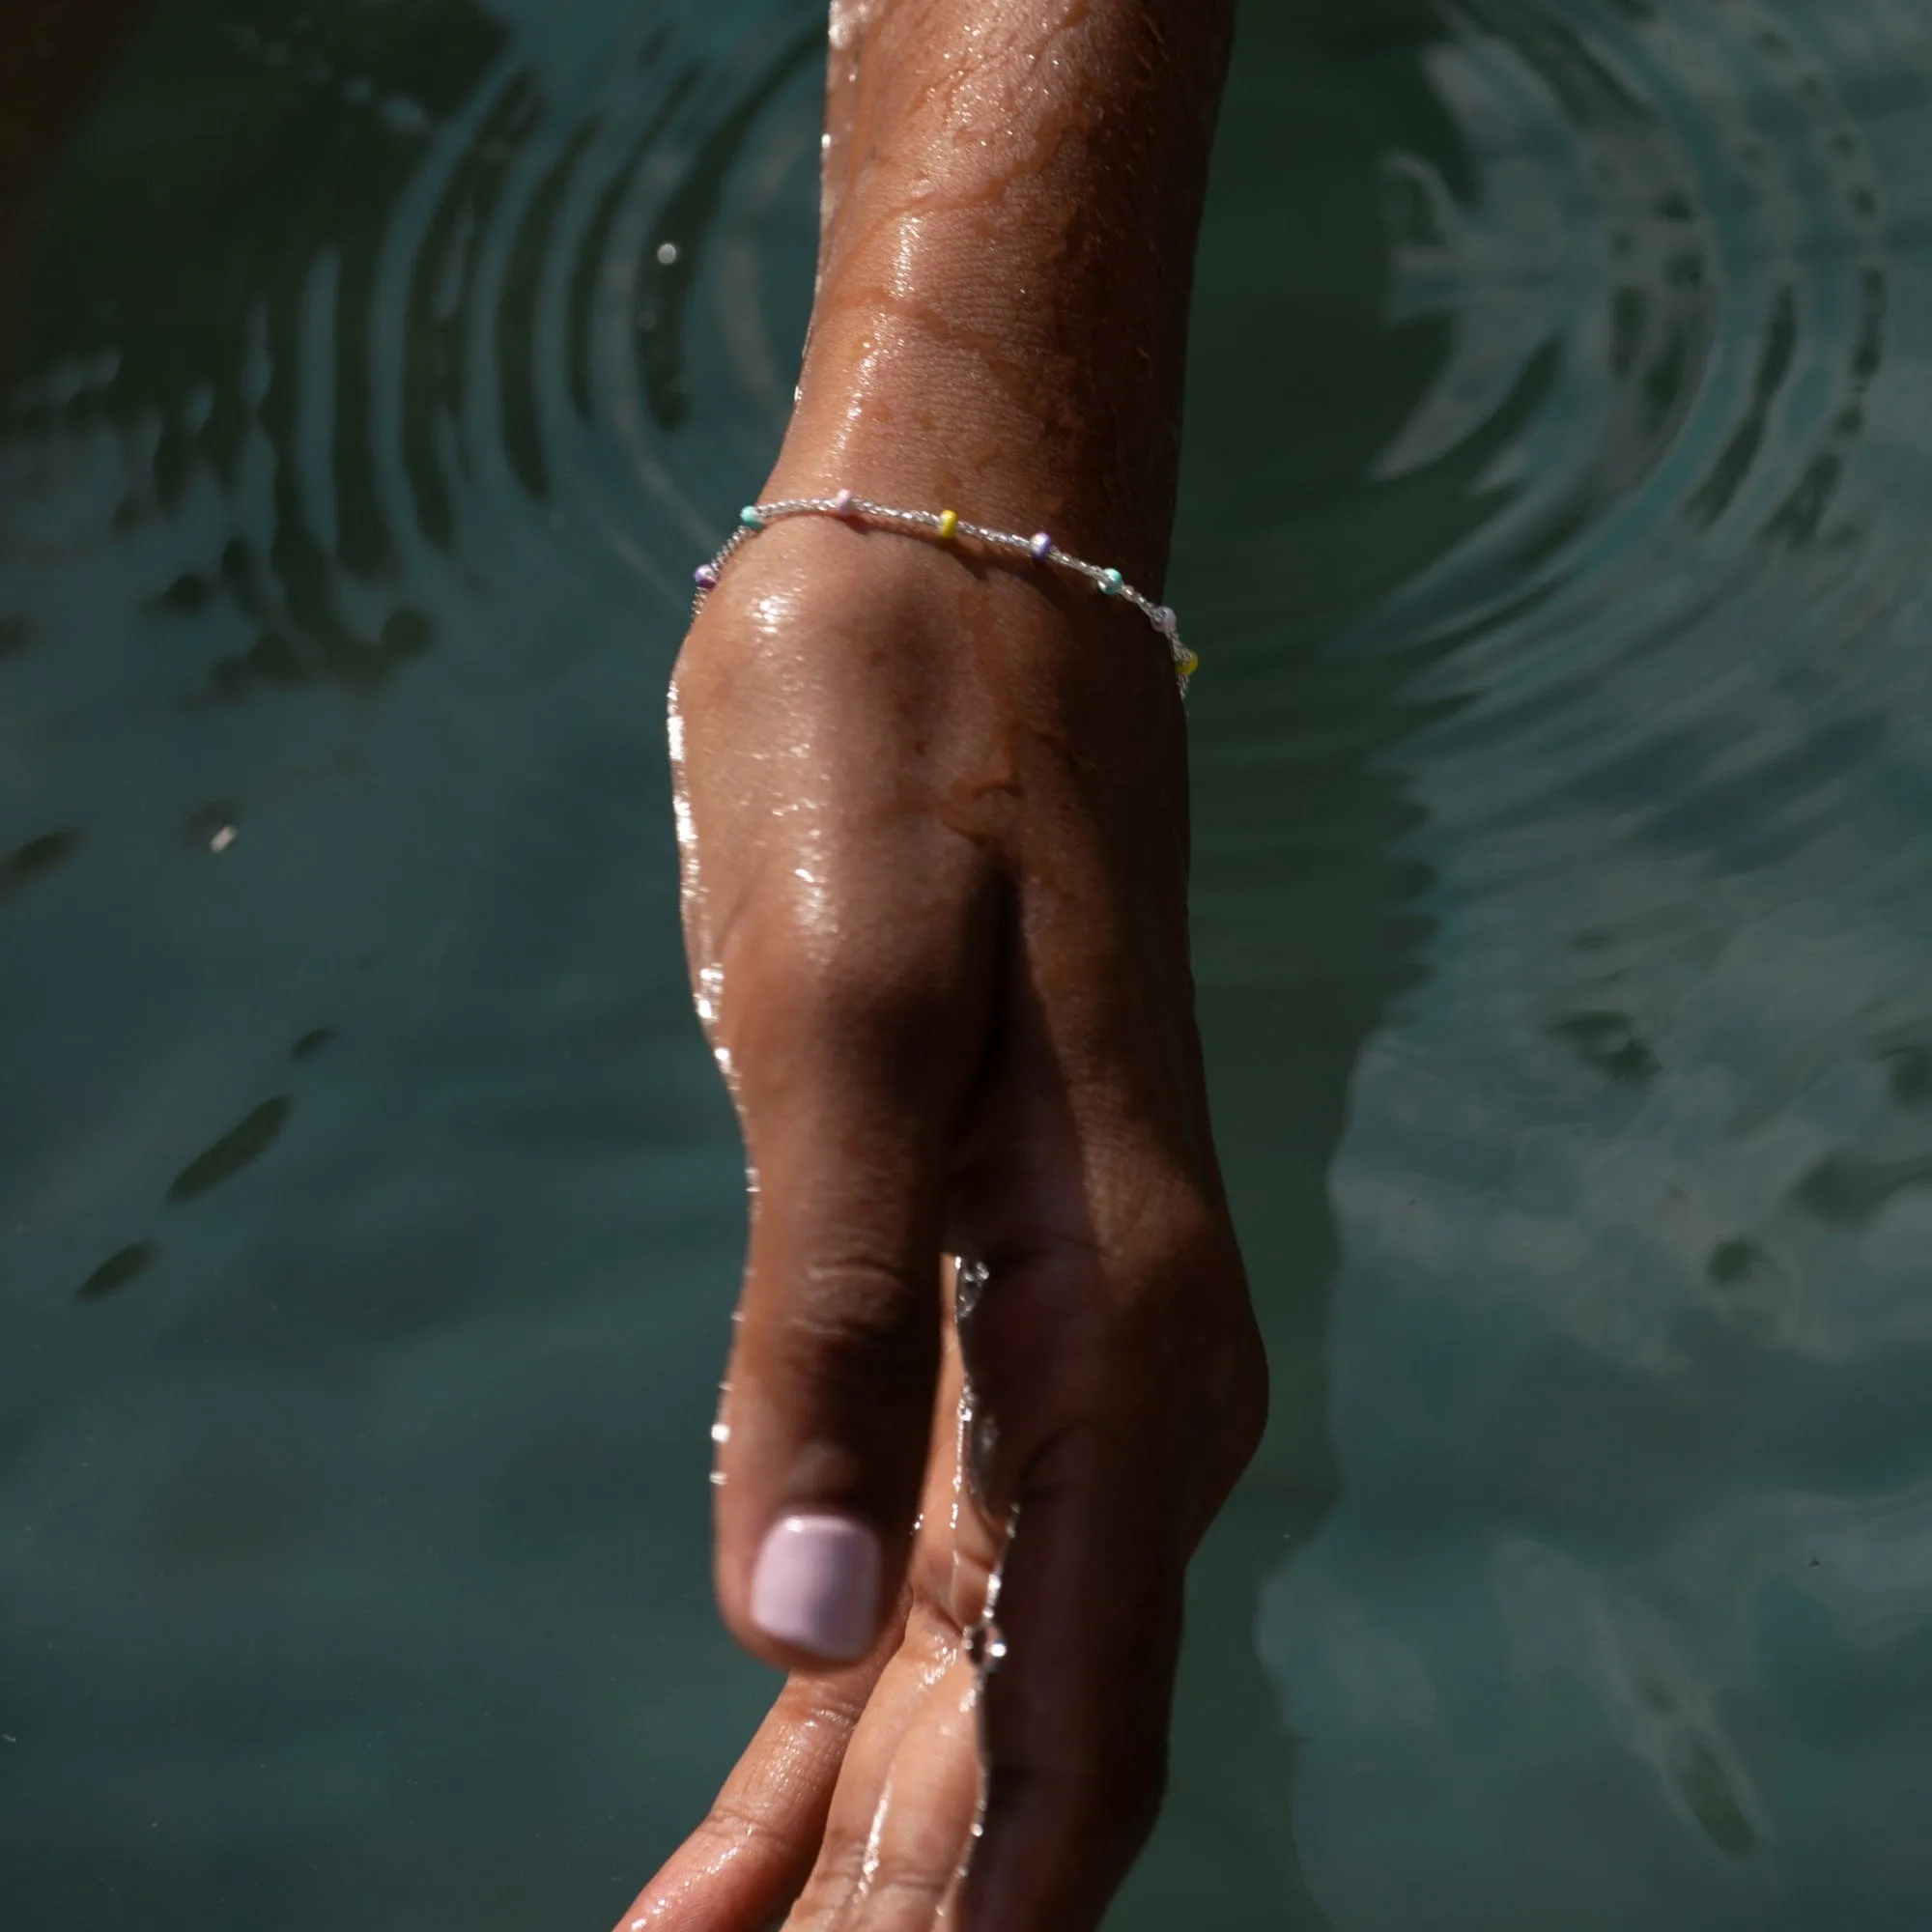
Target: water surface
[[1554, 530]]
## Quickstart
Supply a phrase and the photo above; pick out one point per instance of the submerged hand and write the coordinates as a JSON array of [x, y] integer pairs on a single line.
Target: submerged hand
[[934, 821]]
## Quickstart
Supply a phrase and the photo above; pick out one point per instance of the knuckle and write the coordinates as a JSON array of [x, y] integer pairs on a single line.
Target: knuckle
[[900, 1881], [828, 1890], [1153, 1361], [1187, 1288], [729, 1826], [1192, 1328], [887, 1880], [1225, 1353], [1230, 1405]]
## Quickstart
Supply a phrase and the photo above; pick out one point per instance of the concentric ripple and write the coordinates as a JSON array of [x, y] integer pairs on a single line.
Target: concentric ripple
[[1631, 1533], [511, 272], [370, 374]]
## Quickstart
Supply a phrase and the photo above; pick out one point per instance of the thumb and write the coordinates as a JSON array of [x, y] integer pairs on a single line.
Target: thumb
[[828, 1404]]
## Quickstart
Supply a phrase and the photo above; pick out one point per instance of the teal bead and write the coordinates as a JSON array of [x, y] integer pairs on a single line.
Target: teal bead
[[1112, 584], [749, 515]]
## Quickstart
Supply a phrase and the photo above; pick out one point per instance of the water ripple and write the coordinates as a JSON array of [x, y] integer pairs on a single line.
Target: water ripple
[[1561, 429], [1638, 1179], [501, 284]]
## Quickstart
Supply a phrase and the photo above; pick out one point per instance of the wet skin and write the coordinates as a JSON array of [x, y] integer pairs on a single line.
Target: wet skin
[[933, 812]]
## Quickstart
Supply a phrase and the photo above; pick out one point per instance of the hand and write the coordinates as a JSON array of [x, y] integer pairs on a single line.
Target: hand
[[933, 812]]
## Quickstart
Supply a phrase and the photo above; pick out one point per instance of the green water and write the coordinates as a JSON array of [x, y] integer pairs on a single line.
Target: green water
[[1560, 450]]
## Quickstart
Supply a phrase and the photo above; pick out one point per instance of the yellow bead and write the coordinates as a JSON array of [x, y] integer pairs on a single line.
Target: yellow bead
[[1190, 662], [949, 523]]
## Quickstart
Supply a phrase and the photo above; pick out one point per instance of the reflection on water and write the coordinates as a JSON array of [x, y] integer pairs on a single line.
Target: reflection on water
[[369, 377], [1630, 1322]]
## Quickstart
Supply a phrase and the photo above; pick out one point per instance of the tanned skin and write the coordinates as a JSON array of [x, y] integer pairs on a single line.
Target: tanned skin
[[935, 809]]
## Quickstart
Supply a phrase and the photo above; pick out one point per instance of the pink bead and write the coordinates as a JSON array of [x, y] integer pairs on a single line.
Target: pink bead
[[841, 504], [1165, 621], [705, 576]]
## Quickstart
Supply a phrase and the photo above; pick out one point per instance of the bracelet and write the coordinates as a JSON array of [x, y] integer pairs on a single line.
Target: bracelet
[[947, 527]]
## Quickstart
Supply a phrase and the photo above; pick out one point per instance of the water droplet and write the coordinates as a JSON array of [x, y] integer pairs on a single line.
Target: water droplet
[[666, 253], [972, 1286], [986, 1646]]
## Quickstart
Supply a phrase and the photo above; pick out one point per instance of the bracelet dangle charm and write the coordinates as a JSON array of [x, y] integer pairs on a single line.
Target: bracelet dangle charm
[[948, 526]]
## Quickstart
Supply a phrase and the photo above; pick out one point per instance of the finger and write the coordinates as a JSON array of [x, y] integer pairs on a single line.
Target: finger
[[908, 1792], [745, 1862], [1114, 1426], [850, 1086], [903, 1814], [1076, 1702]]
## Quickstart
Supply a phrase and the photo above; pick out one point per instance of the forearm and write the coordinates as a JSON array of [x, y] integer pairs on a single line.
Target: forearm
[[1013, 195]]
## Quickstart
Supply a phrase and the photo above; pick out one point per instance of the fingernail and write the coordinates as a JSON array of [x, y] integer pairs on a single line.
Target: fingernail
[[817, 1586]]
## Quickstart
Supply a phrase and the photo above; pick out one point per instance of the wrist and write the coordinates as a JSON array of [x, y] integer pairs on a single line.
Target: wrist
[[936, 450], [866, 585], [920, 411]]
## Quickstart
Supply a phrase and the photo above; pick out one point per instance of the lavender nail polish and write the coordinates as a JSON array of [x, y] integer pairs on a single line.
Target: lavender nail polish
[[817, 1586]]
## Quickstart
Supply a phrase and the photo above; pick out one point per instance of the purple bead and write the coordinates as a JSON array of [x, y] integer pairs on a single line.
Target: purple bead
[[1041, 547], [705, 576], [841, 504], [1165, 621]]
